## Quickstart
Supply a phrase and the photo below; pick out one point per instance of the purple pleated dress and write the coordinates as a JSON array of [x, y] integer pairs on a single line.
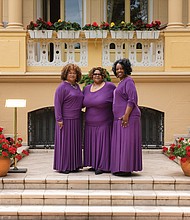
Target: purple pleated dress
[[98, 126], [68, 140], [126, 150]]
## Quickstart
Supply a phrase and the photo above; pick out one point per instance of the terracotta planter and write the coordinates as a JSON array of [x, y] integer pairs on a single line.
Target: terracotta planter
[[4, 165], [186, 167]]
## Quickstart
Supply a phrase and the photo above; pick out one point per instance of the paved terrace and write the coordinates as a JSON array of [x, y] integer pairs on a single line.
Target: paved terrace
[[159, 192], [39, 164]]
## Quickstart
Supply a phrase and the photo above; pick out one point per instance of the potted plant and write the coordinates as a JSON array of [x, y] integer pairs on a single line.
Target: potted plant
[[147, 31], [40, 29], [8, 152], [93, 31], [116, 30], [122, 30], [180, 149], [67, 29]]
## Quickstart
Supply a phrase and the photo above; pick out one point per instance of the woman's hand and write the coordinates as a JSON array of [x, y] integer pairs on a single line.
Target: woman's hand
[[60, 124], [124, 120]]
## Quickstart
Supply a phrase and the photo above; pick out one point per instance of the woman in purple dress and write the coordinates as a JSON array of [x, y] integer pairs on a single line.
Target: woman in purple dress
[[68, 103], [126, 150], [98, 99]]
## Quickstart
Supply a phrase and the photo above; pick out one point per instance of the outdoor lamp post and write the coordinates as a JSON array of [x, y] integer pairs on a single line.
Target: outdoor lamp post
[[16, 103]]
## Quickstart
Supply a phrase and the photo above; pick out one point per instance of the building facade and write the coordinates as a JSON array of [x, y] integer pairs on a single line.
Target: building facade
[[30, 68]]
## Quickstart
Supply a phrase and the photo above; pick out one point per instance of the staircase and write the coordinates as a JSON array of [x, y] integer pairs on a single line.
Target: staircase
[[53, 196]]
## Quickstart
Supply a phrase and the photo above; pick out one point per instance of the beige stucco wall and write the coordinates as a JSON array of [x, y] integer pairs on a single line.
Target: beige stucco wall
[[172, 98], [165, 89]]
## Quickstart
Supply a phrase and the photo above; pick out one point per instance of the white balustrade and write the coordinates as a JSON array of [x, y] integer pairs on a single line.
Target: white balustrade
[[56, 52]]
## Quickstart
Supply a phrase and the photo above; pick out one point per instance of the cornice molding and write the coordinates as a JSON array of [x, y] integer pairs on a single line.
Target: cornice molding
[[139, 77]]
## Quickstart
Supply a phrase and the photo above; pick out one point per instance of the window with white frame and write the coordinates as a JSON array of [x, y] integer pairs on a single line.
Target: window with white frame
[[73, 11], [116, 10]]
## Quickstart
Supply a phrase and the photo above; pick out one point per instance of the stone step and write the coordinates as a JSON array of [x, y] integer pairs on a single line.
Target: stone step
[[90, 182], [95, 197], [46, 212]]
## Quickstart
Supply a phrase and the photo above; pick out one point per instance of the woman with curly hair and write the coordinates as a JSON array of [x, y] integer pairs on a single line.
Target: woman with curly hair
[[98, 98], [126, 150], [68, 103]]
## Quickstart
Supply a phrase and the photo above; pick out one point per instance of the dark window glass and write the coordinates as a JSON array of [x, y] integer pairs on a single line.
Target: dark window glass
[[115, 11], [139, 10]]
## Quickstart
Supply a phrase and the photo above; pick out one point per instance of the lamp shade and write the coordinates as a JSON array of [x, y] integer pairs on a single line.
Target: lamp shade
[[15, 103]]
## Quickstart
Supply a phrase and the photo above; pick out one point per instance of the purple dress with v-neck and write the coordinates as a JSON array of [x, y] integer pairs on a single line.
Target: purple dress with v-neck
[[126, 150]]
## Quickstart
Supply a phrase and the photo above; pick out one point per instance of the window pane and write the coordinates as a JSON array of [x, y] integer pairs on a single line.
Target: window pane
[[139, 10], [73, 11], [116, 11]]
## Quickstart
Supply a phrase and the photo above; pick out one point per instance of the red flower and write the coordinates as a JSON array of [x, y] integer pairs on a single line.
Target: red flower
[[181, 139], [49, 23], [12, 150], [183, 159], [2, 136], [172, 157], [18, 145], [25, 152], [1, 129], [18, 157], [19, 139], [5, 146], [95, 24], [5, 154], [164, 149]]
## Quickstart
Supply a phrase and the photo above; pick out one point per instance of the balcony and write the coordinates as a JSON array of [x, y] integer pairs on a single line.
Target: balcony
[[48, 53]]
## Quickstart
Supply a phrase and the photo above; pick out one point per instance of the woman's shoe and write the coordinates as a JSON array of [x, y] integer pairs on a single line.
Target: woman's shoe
[[65, 172], [97, 172], [91, 169], [122, 174]]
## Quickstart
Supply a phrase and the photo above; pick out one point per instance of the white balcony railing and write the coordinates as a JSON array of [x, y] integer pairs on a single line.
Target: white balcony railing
[[56, 52]]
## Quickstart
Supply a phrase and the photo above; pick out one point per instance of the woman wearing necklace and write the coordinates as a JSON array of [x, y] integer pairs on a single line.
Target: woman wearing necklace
[[126, 150], [98, 99], [68, 103]]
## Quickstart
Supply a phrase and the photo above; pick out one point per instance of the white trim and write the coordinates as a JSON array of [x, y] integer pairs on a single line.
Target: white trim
[[39, 9], [150, 10], [105, 10], [84, 13]]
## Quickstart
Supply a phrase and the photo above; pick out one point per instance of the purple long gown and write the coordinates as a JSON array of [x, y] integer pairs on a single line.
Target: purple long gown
[[126, 151], [98, 126], [68, 143]]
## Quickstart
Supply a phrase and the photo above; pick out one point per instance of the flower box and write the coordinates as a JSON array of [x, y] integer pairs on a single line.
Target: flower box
[[128, 34], [40, 33], [95, 33], [68, 34], [116, 34], [147, 34]]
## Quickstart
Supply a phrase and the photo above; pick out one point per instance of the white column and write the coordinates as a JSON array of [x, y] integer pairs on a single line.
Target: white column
[[175, 14], [15, 14]]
